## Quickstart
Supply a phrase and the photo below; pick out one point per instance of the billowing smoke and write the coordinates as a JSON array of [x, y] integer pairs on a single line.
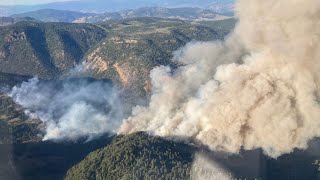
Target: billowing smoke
[[264, 95], [71, 108]]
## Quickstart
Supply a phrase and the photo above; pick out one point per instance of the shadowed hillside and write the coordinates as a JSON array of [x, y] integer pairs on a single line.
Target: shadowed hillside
[[139, 156], [46, 50]]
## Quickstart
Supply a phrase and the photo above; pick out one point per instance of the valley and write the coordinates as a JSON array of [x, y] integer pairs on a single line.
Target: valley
[[95, 90], [122, 51]]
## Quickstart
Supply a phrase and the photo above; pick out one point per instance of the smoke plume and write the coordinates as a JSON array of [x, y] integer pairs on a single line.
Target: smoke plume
[[258, 89], [71, 108]]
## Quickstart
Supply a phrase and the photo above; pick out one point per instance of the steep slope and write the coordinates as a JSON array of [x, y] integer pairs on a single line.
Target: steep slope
[[137, 156], [136, 46], [131, 49], [140, 156], [45, 49], [52, 15], [15, 125], [126, 56], [44, 160]]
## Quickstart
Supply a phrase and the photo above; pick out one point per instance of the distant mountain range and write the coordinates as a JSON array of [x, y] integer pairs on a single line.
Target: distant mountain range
[[51, 15], [183, 13], [101, 6]]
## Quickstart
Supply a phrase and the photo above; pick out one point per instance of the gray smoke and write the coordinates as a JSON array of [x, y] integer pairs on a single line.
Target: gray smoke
[[71, 108], [270, 100]]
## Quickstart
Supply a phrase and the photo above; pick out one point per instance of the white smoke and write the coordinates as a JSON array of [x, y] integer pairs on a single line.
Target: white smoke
[[268, 97], [71, 108]]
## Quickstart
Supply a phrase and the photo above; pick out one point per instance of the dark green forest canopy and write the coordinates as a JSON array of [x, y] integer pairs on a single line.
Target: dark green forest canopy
[[136, 156]]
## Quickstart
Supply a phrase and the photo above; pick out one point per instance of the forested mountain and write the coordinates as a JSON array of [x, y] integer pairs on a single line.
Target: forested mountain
[[45, 49], [137, 156], [121, 51], [124, 52], [110, 50], [76, 78], [140, 156], [133, 47]]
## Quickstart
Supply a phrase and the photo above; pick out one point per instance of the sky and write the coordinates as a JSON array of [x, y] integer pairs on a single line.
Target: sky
[[28, 2]]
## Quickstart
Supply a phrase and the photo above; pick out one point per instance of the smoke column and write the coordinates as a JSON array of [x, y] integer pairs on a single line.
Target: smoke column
[[71, 109], [265, 93]]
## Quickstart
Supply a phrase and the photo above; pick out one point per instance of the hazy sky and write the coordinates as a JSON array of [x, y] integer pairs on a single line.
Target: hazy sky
[[27, 2]]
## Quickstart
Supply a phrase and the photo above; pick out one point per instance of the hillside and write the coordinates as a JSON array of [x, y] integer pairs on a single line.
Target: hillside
[[45, 49], [140, 156], [168, 90], [137, 156], [134, 47], [15, 125], [10, 80], [51, 15], [183, 13], [6, 21], [44, 160], [122, 51]]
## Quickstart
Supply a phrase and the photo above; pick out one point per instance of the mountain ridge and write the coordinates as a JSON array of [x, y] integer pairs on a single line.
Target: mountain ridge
[[101, 6], [123, 52], [52, 15], [182, 13]]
